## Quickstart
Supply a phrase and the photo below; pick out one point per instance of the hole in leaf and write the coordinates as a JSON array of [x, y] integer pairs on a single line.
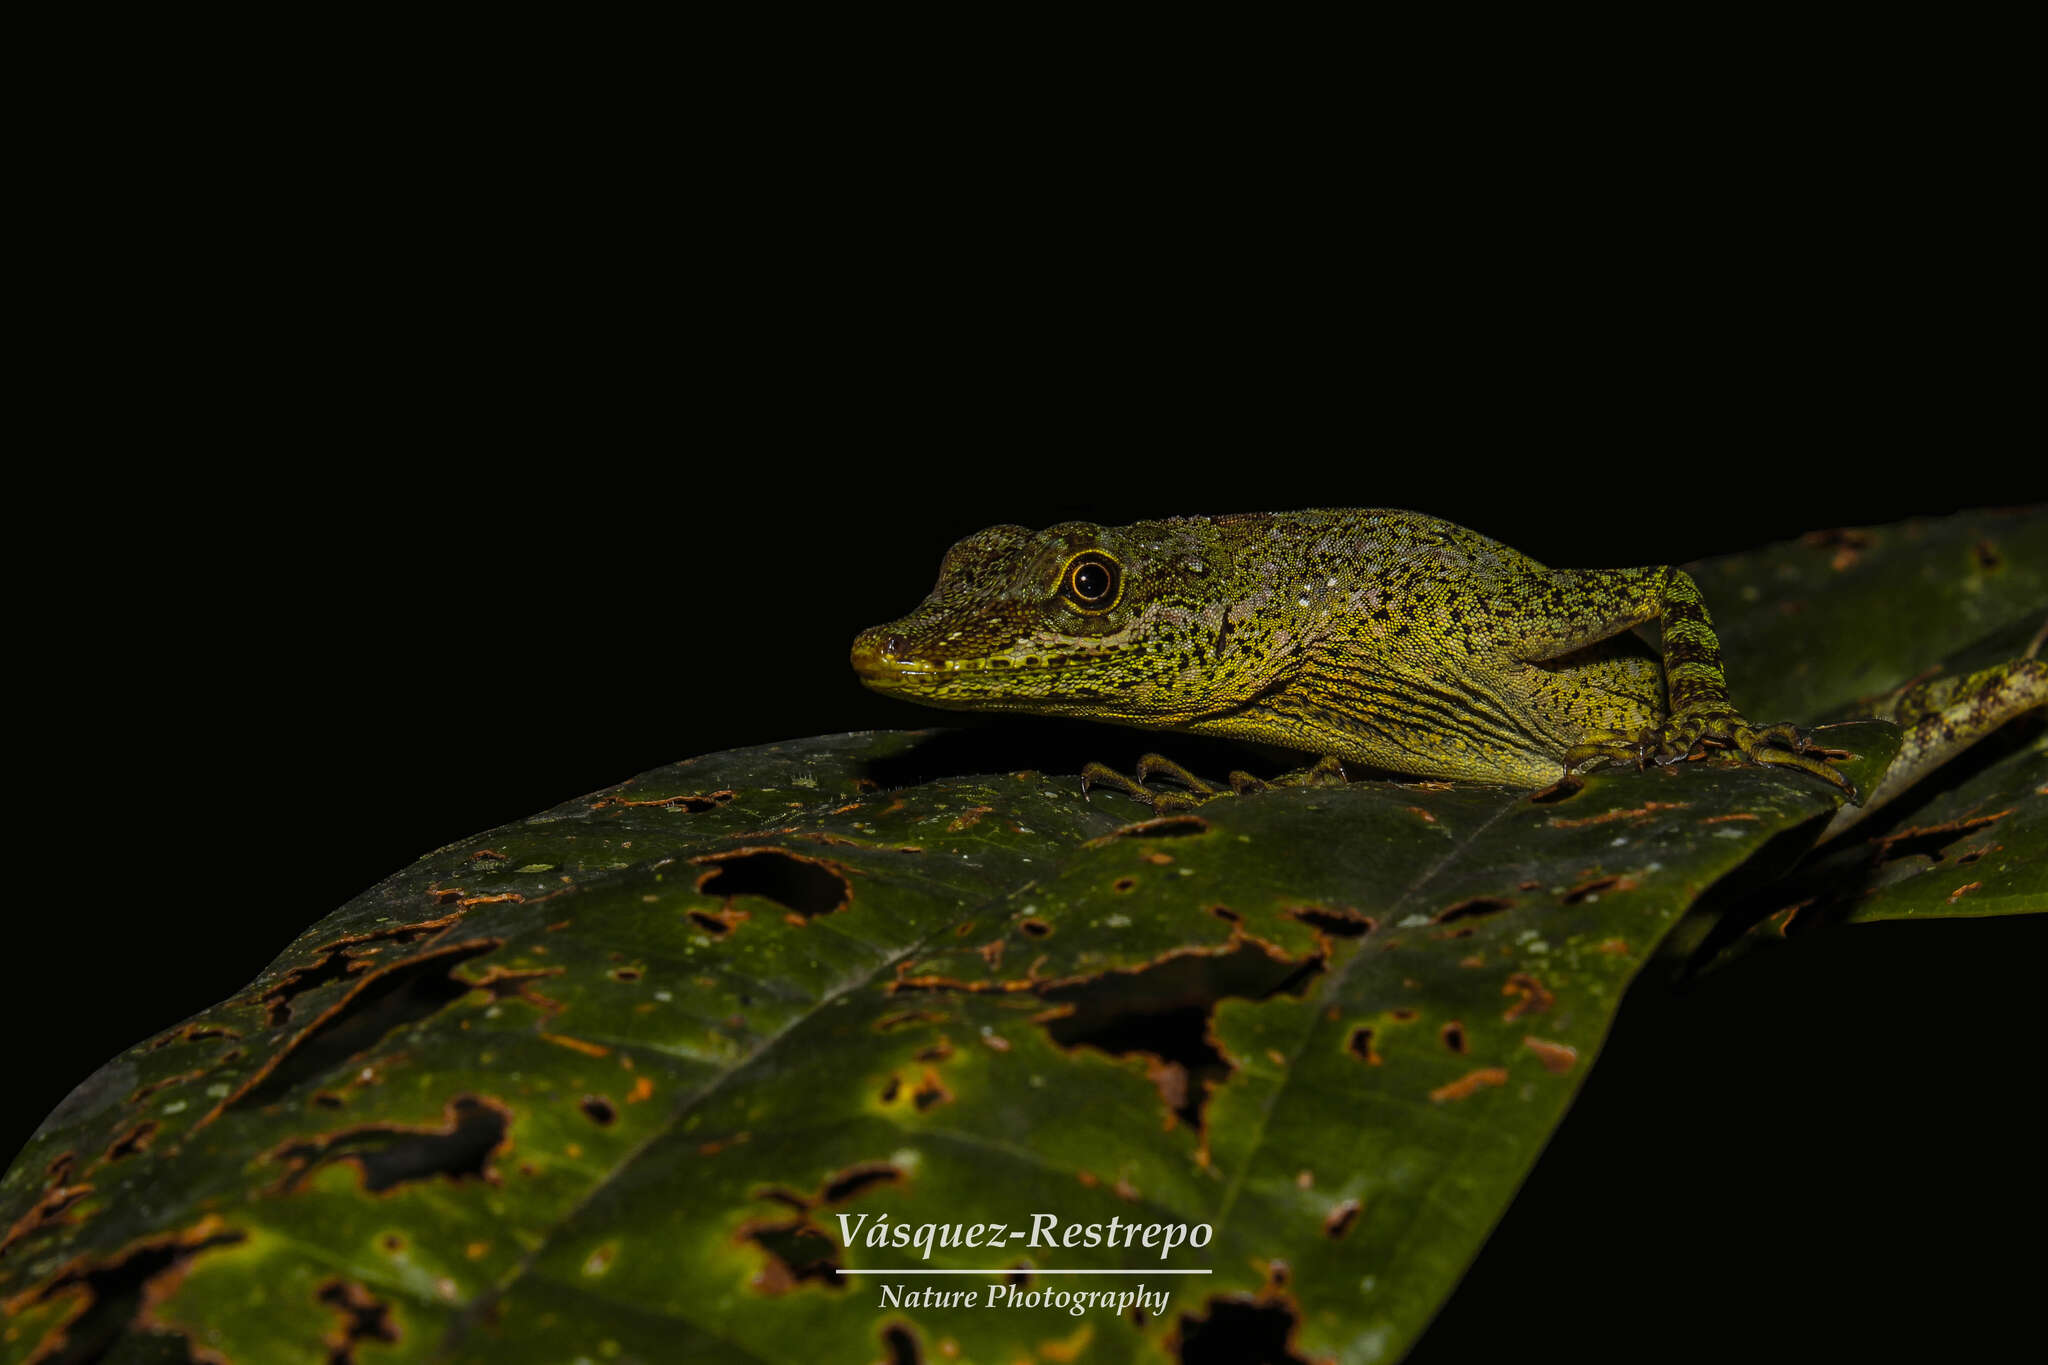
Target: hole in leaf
[[1472, 909], [1225, 913], [116, 1291], [332, 967], [797, 1254], [1162, 1011], [364, 1317], [930, 1091], [1037, 928], [858, 1180], [804, 886], [390, 1155], [1240, 1331], [599, 1110], [1341, 923], [1361, 1047], [132, 1141], [403, 993], [899, 1346], [719, 923], [1341, 1218], [1453, 1035]]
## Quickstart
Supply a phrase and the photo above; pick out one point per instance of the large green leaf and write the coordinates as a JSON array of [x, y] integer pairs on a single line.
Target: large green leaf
[[1813, 626], [596, 1084]]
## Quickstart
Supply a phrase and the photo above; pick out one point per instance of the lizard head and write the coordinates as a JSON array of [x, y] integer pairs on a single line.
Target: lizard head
[[1114, 623]]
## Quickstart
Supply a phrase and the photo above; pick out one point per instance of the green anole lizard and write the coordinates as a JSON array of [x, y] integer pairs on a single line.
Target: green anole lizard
[[1369, 636]]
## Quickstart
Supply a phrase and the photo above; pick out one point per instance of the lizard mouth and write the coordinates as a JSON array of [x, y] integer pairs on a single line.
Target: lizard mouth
[[882, 663]]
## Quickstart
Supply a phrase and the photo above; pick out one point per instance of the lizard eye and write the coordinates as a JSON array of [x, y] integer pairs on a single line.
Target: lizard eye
[[1092, 582]]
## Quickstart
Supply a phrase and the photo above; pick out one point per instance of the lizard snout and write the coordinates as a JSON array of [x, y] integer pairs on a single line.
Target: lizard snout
[[877, 657]]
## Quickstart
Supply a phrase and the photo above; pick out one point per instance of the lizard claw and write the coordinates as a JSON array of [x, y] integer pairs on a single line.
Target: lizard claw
[[1696, 735], [1154, 765]]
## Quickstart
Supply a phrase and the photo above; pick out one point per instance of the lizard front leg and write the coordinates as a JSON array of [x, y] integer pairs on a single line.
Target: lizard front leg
[[1581, 607]]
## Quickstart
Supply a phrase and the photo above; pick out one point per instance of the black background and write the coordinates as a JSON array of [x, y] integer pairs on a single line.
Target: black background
[[461, 505]]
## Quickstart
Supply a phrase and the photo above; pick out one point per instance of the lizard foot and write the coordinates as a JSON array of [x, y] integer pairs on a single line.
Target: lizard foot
[[1695, 734], [1193, 790]]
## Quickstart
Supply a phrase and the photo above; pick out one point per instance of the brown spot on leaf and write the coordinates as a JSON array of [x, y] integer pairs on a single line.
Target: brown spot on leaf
[[1360, 1044], [1847, 546], [968, 818], [1470, 1083], [143, 1092], [721, 921], [587, 1048], [1226, 914], [931, 1091], [1962, 891], [1165, 827], [1340, 1218], [47, 1212], [690, 802], [803, 885], [1642, 812], [1931, 841], [642, 1091], [1599, 886], [901, 1017], [1124, 884], [132, 1141], [1529, 993], [1557, 1058]]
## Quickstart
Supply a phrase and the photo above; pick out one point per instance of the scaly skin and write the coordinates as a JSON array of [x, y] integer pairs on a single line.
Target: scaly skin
[[1375, 637]]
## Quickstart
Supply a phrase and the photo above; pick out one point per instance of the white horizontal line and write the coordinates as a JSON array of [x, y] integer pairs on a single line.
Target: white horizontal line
[[1012, 1270]]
